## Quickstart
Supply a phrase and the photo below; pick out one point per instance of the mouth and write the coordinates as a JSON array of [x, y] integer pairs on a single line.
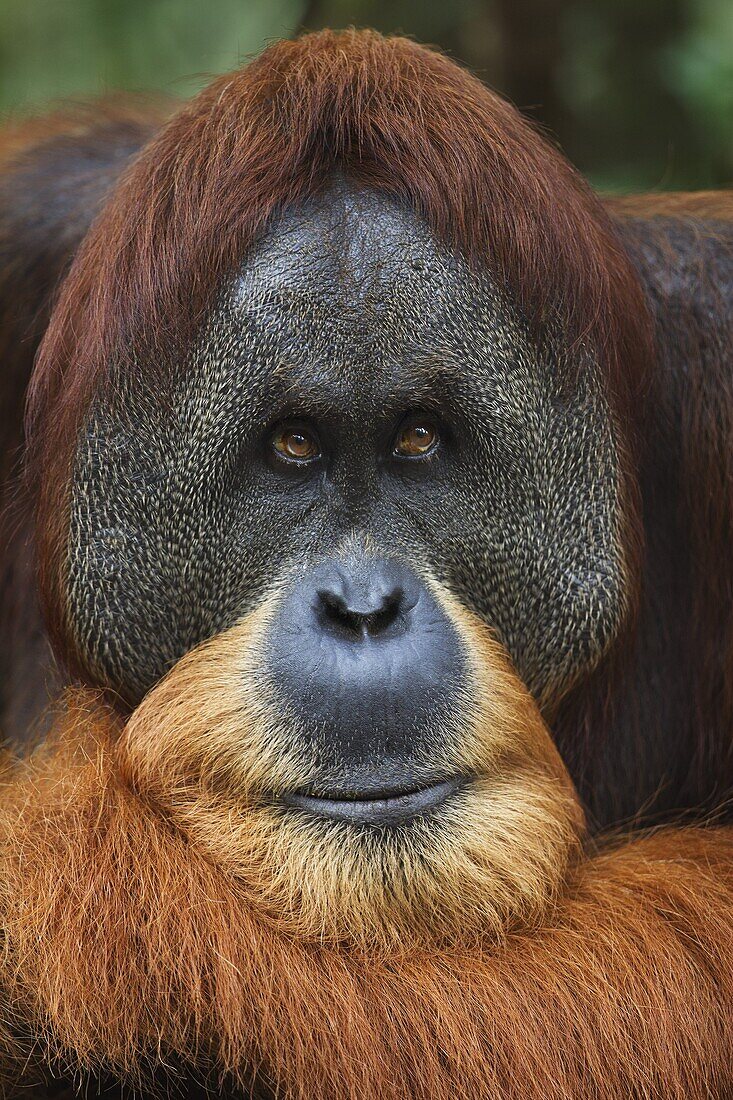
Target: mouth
[[388, 807]]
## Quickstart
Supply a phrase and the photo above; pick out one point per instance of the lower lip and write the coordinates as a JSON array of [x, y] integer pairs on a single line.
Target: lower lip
[[387, 810]]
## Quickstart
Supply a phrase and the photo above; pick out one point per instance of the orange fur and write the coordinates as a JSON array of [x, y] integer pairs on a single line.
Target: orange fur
[[390, 115], [215, 749], [128, 946], [154, 904]]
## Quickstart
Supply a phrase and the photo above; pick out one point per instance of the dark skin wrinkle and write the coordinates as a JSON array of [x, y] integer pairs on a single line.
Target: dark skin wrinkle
[[347, 317]]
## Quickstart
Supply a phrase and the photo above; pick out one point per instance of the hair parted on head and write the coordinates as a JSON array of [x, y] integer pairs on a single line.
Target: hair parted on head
[[391, 115]]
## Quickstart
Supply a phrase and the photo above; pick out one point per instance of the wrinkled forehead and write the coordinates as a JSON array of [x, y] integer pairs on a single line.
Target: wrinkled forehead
[[345, 248], [353, 281]]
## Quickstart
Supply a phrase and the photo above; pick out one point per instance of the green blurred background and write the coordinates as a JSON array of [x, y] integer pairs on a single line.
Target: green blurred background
[[639, 93]]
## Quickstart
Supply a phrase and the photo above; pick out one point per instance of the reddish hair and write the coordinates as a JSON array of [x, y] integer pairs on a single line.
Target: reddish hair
[[126, 947], [390, 114]]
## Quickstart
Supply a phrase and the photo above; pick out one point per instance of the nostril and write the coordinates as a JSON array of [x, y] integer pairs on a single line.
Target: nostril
[[335, 613], [358, 619], [379, 621]]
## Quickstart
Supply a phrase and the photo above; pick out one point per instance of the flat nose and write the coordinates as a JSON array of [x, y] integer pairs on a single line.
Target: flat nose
[[366, 660], [367, 603]]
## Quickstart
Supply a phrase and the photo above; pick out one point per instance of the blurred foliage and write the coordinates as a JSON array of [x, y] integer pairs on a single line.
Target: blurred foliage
[[639, 93]]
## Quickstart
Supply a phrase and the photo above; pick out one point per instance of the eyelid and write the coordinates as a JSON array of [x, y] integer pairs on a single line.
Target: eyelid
[[298, 425], [418, 418]]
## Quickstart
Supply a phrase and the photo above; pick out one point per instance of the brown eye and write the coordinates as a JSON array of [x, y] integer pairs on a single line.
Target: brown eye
[[295, 444], [416, 439]]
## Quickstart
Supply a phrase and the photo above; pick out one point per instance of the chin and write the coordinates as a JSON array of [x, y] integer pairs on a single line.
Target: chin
[[469, 838], [243, 895]]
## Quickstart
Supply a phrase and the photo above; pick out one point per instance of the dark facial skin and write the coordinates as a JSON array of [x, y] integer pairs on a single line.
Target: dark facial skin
[[348, 326]]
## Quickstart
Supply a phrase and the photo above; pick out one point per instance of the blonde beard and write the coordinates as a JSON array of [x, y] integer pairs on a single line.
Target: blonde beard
[[214, 749], [160, 898], [129, 949]]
